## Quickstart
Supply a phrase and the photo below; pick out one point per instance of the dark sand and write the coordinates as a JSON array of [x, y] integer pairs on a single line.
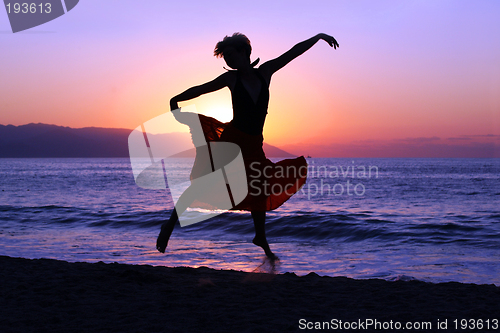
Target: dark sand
[[46, 295]]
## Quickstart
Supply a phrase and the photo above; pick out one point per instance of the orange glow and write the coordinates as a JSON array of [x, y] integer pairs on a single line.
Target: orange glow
[[392, 77], [216, 105]]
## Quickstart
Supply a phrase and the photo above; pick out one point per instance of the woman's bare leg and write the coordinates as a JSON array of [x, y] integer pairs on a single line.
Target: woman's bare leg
[[259, 221], [166, 232], [185, 200]]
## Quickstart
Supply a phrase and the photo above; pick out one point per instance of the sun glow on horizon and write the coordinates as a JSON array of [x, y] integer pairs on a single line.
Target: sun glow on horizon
[[393, 78], [216, 105], [220, 113]]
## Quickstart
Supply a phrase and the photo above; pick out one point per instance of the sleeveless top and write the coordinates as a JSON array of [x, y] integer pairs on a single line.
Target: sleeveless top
[[248, 116], [245, 130]]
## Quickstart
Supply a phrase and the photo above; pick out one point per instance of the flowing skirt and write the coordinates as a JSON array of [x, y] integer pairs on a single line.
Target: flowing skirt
[[269, 184]]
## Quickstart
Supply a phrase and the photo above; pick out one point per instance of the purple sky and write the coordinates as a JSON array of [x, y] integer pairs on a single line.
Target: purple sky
[[404, 69]]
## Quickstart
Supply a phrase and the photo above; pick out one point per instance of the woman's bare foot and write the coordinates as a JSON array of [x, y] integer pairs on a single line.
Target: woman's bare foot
[[262, 242]]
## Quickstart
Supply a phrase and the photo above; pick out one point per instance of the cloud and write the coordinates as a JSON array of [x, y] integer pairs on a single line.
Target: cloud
[[419, 140], [480, 137], [467, 146]]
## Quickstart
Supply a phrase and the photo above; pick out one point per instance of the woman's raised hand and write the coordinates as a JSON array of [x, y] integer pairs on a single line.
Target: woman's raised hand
[[173, 105], [329, 39]]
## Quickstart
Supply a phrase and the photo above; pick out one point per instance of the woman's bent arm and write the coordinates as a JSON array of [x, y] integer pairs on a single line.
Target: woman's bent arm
[[274, 65], [216, 84]]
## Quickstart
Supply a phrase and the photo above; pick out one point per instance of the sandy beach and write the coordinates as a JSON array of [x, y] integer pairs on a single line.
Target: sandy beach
[[45, 295]]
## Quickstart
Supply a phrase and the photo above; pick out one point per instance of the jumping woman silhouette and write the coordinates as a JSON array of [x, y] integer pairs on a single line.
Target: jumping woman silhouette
[[249, 88]]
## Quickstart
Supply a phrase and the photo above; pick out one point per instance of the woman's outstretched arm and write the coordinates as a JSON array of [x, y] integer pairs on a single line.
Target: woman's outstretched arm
[[218, 83], [274, 65]]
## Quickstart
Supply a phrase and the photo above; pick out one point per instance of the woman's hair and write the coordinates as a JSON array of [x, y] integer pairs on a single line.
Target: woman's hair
[[239, 41]]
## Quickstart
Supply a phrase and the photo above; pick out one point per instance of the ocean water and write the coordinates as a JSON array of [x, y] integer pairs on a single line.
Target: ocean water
[[429, 219]]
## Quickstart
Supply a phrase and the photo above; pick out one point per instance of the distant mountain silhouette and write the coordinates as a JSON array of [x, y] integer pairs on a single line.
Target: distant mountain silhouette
[[42, 140]]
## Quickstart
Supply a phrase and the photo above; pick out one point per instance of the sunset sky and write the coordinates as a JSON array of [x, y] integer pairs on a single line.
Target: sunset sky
[[408, 74]]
